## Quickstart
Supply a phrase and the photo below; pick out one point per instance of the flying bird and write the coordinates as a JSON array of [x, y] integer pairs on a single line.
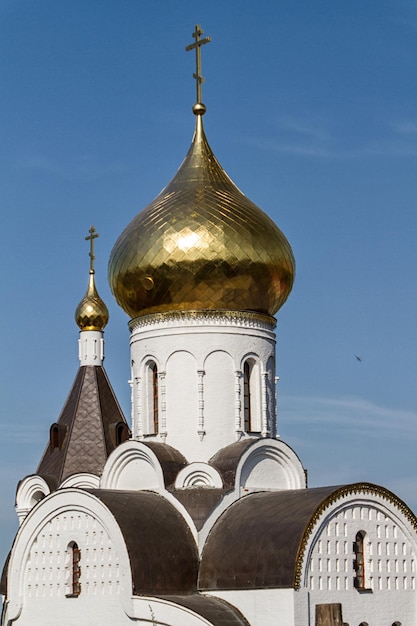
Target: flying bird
[[358, 358]]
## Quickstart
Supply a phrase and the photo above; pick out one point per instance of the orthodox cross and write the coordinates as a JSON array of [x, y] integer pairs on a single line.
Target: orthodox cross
[[93, 235], [197, 46]]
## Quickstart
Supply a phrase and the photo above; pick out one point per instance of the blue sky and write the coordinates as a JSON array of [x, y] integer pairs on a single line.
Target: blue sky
[[311, 109]]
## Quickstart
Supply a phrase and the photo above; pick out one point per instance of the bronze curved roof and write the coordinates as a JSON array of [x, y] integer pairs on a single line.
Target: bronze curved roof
[[226, 460], [162, 551], [170, 459], [215, 610], [259, 541], [255, 543], [199, 502]]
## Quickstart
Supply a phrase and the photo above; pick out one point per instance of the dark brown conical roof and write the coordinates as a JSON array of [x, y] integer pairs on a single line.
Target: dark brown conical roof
[[89, 428]]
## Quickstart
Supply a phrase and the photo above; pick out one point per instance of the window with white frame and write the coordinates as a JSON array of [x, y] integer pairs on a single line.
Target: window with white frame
[[74, 570], [251, 397], [152, 398]]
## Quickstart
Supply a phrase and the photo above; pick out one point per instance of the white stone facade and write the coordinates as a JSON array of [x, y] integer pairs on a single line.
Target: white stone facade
[[91, 347], [199, 361], [40, 577], [389, 548]]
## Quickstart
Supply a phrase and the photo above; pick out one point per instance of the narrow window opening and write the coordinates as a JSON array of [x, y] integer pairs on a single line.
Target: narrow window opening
[[122, 433], [359, 562], [251, 397], [74, 580], [247, 397], [155, 398], [54, 437]]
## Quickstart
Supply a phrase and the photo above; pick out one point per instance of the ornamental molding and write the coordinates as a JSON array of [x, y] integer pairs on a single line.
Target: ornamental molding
[[245, 319], [337, 495]]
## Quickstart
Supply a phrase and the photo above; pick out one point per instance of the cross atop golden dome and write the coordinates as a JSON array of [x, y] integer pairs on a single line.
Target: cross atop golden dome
[[199, 108], [91, 313]]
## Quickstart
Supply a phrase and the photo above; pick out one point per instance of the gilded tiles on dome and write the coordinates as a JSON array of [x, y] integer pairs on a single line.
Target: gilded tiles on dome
[[201, 244]]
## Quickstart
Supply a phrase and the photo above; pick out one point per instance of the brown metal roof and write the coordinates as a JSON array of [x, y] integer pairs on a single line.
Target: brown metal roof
[[255, 543], [199, 502], [162, 551], [215, 610], [226, 460], [170, 459], [86, 428]]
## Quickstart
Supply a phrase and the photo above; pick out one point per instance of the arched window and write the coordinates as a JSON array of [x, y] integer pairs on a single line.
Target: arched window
[[56, 436], [122, 433], [152, 398], [396, 624], [247, 408], [251, 397], [359, 562], [155, 398], [74, 578]]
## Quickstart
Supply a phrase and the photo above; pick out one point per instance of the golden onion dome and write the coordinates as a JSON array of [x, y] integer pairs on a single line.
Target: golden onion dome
[[91, 313], [201, 244]]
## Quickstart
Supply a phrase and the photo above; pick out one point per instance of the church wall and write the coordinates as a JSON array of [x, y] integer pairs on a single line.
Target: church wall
[[200, 359], [41, 578], [219, 384], [263, 607], [389, 555], [181, 381]]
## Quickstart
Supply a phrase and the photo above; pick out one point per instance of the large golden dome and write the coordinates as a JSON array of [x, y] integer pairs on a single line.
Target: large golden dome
[[201, 244]]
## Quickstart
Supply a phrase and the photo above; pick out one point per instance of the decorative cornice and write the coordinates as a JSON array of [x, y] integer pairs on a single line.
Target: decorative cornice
[[339, 493], [248, 319]]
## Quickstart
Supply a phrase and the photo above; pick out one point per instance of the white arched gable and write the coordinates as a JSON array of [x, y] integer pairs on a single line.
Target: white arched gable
[[30, 491], [198, 475], [328, 558], [369, 509], [66, 516], [83, 480], [270, 464], [132, 466]]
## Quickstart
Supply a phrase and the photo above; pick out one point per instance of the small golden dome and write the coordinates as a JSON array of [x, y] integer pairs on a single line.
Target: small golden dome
[[91, 313], [201, 244]]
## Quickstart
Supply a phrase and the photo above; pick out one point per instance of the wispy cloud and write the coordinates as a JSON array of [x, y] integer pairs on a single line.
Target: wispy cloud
[[316, 139], [350, 439], [408, 127], [353, 414], [21, 435], [304, 129]]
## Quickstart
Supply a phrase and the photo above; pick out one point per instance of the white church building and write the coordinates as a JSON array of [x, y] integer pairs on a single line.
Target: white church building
[[197, 513]]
